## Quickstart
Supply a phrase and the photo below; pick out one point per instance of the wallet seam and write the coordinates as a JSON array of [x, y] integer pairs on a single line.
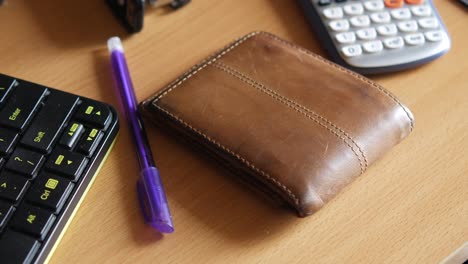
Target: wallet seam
[[297, 107]]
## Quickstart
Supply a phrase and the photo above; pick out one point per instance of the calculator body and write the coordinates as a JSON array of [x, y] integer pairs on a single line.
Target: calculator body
[[378, 36]]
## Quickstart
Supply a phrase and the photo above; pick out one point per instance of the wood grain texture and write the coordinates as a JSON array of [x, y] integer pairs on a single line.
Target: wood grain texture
[[409, 207]]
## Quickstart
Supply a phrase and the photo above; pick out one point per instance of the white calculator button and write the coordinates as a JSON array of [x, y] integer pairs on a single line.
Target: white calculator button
[[434, 36], [422, 10], [403, 13], [428, 23], [373, 46], [354, 9], [394, 43], [387, 30], [346, 37], [339, 25], [352, 51], [360, 21], [333, 12], [415, 39], [408, 26], [375, 5], [366, 33], [381, 17]]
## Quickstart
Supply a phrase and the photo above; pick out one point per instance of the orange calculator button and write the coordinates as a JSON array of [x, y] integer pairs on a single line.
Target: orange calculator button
[[414, 2], [393, 3]]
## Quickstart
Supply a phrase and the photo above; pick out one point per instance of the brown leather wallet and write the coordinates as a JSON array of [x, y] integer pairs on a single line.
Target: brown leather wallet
[[293, 124]]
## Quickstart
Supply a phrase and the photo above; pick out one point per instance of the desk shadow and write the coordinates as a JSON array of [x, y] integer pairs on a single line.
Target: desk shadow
[[76, 23]]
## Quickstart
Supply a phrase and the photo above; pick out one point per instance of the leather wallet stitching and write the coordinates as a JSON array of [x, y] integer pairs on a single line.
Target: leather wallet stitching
[[355, 75], [297, 107], [226, 149]]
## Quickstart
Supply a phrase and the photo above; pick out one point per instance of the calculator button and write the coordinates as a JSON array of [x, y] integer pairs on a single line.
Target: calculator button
[[394, 43], [374, 5], [366, 33], [387, 30], [415, 39], [428, 23], [66, 163], [12, 186], [414, 2], [408, 26], [360, 21], [352, 51], [434, 36], [346, 37], [33, 220], [393, 3], [400, 14], [339, 25], [354, 9], [373, 46], [381, 17], [423, 10], [324, 2], [333, 12]]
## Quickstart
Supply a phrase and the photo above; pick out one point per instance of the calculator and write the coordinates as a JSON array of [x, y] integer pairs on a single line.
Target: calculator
[[377, 36], [52, 143]]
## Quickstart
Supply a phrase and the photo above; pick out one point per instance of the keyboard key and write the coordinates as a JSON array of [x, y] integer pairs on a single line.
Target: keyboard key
[[71, 135], [422, 10], [346, 37], [333, 12], [381, 17], [18, 248], [324, 2], [431, 23], [66, 163], [415, 39], [366, 33], [340, 1], [50, 191], [25, 162], [373, 46], [375, 5], [352, 51], [394, 43], [19, 109], [387, 30], [353, 9], [94, 113], [393, 3], [339, 25], [401, 14], [408, 26], [12, 186], [6, 211], [6, 85], [360, 21], [7, 141], [47, 125], [90, 142], [434, 36], [33, 220]]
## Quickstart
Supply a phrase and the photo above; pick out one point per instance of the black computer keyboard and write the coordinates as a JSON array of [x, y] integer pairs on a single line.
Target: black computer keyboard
[[52, 143]]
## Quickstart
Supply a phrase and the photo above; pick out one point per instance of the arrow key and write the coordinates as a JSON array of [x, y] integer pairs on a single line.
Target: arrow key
[[71, 135], [90, 141], [66, 163]]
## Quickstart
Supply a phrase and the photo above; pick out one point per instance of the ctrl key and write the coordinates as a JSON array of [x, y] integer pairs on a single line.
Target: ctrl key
[[17, 248]]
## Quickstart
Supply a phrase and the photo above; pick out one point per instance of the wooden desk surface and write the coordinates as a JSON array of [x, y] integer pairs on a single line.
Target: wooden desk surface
[[409, 207]]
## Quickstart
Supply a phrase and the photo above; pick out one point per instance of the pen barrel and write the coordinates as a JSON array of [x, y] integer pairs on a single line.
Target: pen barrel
[[154, 203]]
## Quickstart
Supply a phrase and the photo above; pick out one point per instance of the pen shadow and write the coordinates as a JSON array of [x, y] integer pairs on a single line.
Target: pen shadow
[[76, 23], [196, 187]]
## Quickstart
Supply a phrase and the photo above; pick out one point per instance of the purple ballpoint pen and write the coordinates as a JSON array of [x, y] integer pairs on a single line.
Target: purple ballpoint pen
[[149, 186]]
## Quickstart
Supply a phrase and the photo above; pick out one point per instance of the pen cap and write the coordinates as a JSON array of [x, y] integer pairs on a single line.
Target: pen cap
[[153, 200]]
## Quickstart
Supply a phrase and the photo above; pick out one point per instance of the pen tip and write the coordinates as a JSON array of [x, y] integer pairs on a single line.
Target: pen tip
[[114, 43]]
